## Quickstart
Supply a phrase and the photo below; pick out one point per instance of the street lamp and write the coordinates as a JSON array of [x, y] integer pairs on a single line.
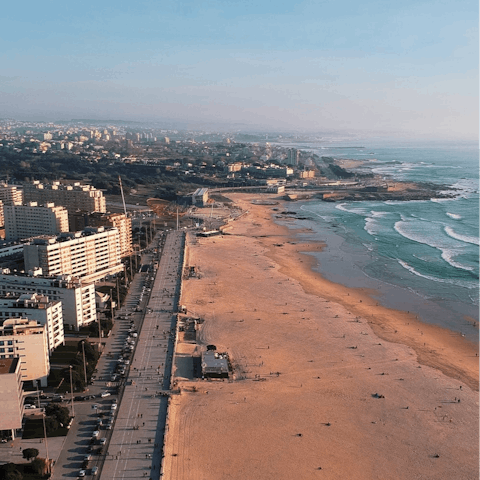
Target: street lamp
[[84, 363], [46, 442], [71, 388]]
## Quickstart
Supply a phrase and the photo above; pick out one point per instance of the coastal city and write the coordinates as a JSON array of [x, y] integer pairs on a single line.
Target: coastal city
[[115, 245]]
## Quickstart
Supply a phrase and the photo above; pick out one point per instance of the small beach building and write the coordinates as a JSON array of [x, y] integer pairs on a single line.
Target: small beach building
[[214, 364]]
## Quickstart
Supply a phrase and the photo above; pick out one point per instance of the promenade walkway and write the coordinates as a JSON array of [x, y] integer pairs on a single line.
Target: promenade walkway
[[135, 447]]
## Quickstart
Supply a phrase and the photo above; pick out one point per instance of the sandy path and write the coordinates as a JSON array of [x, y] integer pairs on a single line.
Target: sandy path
[[318, 417]]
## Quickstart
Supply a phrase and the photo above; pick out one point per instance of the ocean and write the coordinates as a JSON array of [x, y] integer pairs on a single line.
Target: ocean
[[417, 256]]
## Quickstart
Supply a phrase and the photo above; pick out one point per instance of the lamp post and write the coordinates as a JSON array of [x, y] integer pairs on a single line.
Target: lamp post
[[46, 442], [71, 389], [84, 363]]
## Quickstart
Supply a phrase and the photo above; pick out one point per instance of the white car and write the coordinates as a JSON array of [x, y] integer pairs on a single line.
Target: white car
[[82, 473], [29, 407], [105, 394]]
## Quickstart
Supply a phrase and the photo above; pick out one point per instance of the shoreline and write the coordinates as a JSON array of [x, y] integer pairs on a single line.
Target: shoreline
[[435, 346], [313, 384]]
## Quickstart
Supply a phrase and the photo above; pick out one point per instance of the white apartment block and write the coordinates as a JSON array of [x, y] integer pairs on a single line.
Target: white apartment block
[[91, 254], [32, 220], [11, 394], [73, 197], [119, 221], [36, 307], [77, 298], [11, 194], [27, 340]]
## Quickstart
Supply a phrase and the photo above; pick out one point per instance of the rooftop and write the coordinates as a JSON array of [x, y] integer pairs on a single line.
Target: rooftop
[[8, 365]]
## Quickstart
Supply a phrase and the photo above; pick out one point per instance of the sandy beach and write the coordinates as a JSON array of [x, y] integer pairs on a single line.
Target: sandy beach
[[327, 384]]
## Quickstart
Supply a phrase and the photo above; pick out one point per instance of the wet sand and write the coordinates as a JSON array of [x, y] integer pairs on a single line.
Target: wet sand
[[327, 384]]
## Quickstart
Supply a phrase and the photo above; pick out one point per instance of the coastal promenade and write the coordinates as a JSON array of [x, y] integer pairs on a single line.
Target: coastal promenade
[[135, 447]]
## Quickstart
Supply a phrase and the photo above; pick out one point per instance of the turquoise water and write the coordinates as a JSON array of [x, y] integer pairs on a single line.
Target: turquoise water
[[421, 256]]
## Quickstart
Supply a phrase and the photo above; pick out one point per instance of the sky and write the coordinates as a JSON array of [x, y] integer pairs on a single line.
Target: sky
[[406, 68]]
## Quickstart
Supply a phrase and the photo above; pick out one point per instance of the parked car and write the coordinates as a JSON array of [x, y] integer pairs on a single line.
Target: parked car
[[82, 473], [29, 407], [105, 394]]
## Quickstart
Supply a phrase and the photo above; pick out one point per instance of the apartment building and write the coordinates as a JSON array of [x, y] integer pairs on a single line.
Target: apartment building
[[81, 220], [73, 197], [11, 194], [77, 298], [39, 308], [27, 340], [91, 254], [32, 220], [11, 394]]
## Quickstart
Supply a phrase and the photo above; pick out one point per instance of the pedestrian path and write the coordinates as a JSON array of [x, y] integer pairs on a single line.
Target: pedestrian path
[[135, 447]]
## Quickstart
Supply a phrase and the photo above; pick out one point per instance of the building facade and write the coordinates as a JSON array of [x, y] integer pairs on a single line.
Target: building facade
[[39, 308], [32, 220], [91, 254], [11, 194], [27, 340], [73, 197], [120, 221], [77, 298], [11, 394]]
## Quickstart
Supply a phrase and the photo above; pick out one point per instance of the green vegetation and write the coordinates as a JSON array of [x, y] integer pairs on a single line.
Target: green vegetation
[[35, 470], [30, 453]]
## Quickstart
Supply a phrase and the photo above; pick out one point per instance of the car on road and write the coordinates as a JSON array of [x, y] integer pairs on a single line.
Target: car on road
[[105, 394], [102, 441], [87, 457], [94, 406], [95, 434], [94, 470], [113, 406], [29, 407], [113, 377], [82, 473]]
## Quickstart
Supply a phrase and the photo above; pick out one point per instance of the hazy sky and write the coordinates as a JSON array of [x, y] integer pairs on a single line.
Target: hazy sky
[[406, 67]]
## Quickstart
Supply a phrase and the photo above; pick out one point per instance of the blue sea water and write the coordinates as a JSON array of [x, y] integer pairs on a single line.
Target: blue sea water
[[420, 256]]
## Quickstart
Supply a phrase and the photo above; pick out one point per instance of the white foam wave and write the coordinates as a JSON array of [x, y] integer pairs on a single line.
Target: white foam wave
[[463, 238], [378, 214], [408, 267], [448, 255], [371, 226], [455, 216], [357, 211]]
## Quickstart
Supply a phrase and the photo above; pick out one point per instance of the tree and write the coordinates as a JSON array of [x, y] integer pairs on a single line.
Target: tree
[[10, 472], [29, 453], [39, 466], [57, 412]]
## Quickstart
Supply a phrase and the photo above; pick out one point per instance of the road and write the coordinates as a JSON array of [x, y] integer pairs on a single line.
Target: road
[[148, 373]]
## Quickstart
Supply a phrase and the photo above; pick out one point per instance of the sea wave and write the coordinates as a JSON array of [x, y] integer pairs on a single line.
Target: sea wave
[[357, 211], [372, 227], [455, 216], [463, 238], [412, 270], [448, 254]]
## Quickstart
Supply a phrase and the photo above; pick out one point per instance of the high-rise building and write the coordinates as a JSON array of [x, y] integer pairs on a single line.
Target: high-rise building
[[27, 340], [73, 197], [39, 308], [25, 221], [91, 254], [120, 221], [11, 394], [77, 298], [11, 194]]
